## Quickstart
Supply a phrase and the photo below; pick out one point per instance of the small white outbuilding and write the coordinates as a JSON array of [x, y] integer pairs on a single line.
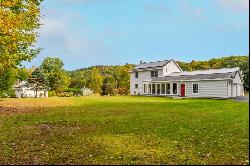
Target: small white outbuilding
[[23, 90]]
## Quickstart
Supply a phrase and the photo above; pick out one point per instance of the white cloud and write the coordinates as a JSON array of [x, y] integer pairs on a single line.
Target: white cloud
[[67, 36], [51, 26], [234, 5]]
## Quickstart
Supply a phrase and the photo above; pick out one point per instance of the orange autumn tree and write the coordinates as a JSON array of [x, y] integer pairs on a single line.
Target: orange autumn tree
[[19, 21]]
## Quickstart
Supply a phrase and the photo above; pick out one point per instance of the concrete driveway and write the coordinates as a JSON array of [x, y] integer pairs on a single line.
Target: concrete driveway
[[242, 98]]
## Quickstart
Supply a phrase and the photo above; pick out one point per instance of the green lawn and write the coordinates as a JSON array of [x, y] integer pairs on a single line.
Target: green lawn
[[123, 130]]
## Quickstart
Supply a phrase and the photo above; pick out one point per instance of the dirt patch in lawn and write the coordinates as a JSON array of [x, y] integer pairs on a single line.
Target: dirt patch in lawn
[[23, 110]]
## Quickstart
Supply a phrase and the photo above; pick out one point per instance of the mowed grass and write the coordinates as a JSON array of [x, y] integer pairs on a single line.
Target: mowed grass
[[124, 130]]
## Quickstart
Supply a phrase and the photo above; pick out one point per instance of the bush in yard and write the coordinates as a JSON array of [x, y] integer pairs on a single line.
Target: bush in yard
[[65, 94], [9, 93], [75, 91], [123, 90], [52, 93]]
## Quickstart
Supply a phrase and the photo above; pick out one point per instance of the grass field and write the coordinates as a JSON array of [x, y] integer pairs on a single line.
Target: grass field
[[123, 130]]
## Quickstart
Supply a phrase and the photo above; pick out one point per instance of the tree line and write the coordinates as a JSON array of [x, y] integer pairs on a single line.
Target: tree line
[[104, 80], [107, 80]]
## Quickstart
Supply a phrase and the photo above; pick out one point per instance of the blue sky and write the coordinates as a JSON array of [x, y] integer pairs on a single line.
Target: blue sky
[[114, 32]]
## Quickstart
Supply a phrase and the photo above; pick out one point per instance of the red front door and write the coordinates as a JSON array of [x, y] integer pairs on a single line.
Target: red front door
[[182, 90]]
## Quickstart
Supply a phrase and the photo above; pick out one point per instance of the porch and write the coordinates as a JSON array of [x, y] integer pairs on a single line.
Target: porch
[[161, 89]]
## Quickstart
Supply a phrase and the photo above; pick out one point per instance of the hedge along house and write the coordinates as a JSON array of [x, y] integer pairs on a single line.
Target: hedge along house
[[166, 78]]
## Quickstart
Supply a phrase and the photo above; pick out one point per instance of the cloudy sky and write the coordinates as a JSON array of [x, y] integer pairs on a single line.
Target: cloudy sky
[[107, 32]]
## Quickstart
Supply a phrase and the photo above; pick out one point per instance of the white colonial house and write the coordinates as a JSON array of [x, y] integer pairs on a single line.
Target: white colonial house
[[166, 78], [24, 90]]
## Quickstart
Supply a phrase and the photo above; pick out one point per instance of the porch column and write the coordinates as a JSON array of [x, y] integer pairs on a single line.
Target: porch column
[[150, 89], [171, 88], [160, 88], [147, 89], [165, 88], [151, 92]]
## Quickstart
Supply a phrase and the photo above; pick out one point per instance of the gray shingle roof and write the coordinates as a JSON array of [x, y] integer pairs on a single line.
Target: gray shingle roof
[[21, 84], [210, 71], [152, 64], [200, 75]]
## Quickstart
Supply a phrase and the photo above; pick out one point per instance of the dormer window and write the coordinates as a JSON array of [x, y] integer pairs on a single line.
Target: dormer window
[[154, 73]]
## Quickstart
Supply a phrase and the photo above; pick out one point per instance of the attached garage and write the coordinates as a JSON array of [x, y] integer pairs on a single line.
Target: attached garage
[[238, 90], [229, 89], [234, 90]]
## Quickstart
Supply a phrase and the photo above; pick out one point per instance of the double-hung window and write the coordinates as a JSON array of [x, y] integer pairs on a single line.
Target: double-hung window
[[154, 73], [136, 74], [195, 88], [136, 86]]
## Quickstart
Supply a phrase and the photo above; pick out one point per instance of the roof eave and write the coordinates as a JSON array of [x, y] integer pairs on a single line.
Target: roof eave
[[216, 79]]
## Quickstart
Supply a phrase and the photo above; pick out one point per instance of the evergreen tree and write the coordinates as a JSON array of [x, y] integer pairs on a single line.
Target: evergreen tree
[[38, 80]]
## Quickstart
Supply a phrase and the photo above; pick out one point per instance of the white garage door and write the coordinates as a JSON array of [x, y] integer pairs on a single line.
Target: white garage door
[[234, 90], [238, 90]]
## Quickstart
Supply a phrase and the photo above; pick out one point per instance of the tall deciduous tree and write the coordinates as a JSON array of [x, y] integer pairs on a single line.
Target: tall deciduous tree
[[57, 77], [96, 80], [124, 79], [23, 74], [19, 20], [109, 86], [7, 79]]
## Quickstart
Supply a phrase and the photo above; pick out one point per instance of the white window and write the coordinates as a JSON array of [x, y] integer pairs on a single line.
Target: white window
[[195, 88], [136, 86], [174, 88], [154, 73]]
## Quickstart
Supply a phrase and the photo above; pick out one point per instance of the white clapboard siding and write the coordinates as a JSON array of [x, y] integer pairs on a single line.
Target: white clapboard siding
[[237, 79], [239, 85], [229, 89], [146, 75], [170, 68], [208, 89], [142, 76]]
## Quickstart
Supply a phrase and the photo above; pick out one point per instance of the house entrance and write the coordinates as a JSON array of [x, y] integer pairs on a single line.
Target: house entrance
[[183, 90]]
